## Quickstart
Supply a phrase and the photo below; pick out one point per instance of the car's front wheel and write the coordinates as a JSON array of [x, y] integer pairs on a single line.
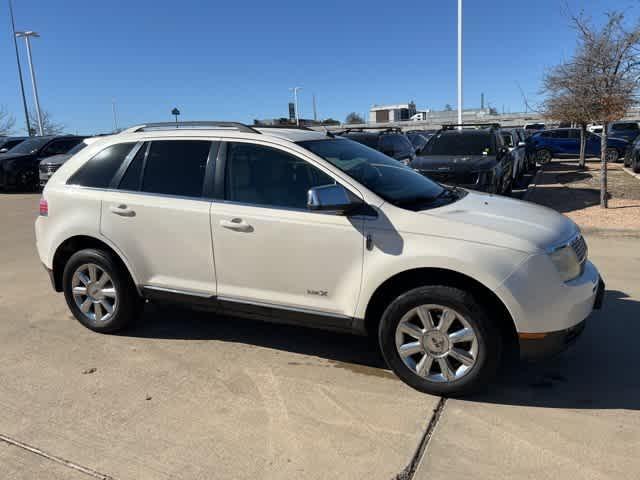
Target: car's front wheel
[[611, 155], [635, 164], [543, 156], [440, 340], [99, 291]]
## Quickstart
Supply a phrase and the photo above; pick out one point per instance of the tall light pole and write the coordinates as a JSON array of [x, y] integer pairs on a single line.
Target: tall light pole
[[15, 44], [460, 62], [115, 115], [27, 36], [295, 101]]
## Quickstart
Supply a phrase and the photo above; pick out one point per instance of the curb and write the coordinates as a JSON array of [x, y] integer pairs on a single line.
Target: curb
[[630, 172], [533, 183]]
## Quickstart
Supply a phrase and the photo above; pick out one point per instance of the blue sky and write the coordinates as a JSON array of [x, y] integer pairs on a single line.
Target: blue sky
[[237, 60]]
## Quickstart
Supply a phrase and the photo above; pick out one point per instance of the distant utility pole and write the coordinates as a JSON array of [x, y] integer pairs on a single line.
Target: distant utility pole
[[15, 45], [460, 62], [295, 101], [315, 112], [27, 37], [115, 115]]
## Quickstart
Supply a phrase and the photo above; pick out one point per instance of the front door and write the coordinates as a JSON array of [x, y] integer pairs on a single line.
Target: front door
[[269, 249], [158, 218]]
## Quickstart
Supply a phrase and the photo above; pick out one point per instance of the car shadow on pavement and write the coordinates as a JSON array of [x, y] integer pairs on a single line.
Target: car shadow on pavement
[[598, 372], [343, 350]]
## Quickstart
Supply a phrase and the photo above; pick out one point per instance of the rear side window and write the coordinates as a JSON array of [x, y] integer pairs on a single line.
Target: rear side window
[[133, 175], [101, 168], [176, 167], [561, 134]]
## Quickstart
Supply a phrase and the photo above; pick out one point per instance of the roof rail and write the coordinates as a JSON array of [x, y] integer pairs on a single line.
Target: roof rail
[[294, 127], [381, 129], [452, 126], [241, 127]]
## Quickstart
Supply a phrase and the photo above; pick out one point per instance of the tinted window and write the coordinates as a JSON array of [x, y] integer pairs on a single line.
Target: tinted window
[[508, 139], [77, 148], [100, 169], [265, 176], [31, 145], [461, 143], [133, 175], [176, 167], [384, 176], [400, 145], [9, 144], [58, 147], [561, 134], [624, 126]]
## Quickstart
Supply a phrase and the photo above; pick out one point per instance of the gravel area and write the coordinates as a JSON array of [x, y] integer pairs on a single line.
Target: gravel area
[[576, 193]]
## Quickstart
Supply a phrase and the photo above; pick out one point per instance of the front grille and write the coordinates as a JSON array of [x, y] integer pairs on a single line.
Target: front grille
[[580, 248], [452, 178], [49, 168]]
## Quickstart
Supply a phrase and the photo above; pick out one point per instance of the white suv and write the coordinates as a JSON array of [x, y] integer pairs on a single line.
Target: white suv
[[296, 226]]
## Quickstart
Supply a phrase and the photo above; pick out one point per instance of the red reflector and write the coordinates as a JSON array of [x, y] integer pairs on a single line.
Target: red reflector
[[44, 207]]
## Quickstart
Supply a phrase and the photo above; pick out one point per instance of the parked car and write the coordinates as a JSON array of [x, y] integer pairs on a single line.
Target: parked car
[[19, 166], [594, 128], [632, 156], [313, 229], [514, 139], [51, 164], [7, 143], [418, 141], [391, 142], [565, 143], [531, 128], [474, 158], [626, 130]]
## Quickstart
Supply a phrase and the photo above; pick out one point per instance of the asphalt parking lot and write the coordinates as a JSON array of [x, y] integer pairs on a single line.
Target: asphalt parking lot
[[185, 395]]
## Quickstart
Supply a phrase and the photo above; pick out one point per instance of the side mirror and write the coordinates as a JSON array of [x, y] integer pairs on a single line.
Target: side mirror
[[332, 199], [4, 150], [522, 144]]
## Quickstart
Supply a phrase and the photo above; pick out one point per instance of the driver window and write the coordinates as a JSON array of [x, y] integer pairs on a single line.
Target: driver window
[[260, 175]]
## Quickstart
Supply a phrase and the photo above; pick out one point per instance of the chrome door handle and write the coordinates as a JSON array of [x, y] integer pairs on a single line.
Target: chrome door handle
[[122, 210], [237, 224]]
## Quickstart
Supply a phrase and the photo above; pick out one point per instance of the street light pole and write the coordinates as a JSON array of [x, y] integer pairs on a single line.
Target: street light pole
[[15, 45], [460, 62], [27, 36], [295, 100], [115, 116]]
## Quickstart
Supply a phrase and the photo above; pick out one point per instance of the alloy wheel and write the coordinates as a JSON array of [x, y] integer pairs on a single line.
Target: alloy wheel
[[611, 155], [544, 156], [437, 343], [94, 292]]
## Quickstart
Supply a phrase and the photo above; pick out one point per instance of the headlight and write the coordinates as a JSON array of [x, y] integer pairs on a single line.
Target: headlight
[[406, 161], [566, 262]]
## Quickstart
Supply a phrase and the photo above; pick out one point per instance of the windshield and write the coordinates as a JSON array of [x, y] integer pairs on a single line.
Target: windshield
[[76, 149], [460, 143], [624, 126], [386, 177], [29, 146]]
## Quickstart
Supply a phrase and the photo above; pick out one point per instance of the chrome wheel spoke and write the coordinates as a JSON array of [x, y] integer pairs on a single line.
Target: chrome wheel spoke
[[83, 278], [86, 305], [107, 306], [447, 373], [411, 330], [463, 357], [409, 349], [447, 318], [109, 292], [424, 365], [79, 290], [92, 273], [97, 308], [104, 279], [425, 317], [464, 335]]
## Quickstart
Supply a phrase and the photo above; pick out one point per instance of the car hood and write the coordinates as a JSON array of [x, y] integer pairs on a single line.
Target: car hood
[[56, 159], [493, 220], [14, 156], [448, 163]]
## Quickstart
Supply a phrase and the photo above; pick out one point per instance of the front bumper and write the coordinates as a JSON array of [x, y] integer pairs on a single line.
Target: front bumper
[[537, 346], [45, 172]]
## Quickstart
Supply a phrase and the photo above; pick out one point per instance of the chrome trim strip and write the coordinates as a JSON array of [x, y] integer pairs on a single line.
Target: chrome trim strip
[[137, 192], [566, 243], [283, 307], [191, 293]]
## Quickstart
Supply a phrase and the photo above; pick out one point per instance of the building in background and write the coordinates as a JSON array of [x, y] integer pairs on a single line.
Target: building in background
[[392, 113]]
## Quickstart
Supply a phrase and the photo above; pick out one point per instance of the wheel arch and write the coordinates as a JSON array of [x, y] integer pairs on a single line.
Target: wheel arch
[[80, 242], [419, 277]]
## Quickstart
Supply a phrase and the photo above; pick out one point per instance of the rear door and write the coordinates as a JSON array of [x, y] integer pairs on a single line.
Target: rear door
[[157, 216]]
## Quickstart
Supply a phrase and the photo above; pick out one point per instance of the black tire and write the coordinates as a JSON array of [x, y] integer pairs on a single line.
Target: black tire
[[635, 165], [125, 308], [489, 343], [612, 155], [27, 180], [544, 156], [626, 161]]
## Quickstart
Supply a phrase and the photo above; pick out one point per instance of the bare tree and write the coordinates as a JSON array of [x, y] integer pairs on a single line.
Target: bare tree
[[353, 118], [49, 126], [7, 121], [600, 82]]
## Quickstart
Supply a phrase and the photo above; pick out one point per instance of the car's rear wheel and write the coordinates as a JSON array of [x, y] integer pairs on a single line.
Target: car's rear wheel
[[611, 155], [543, 156], [635, 165], [99, 291], [27, 180], [440, 340], [626, 161]]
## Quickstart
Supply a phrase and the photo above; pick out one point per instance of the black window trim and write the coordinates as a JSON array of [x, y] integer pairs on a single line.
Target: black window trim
[[117, 178]]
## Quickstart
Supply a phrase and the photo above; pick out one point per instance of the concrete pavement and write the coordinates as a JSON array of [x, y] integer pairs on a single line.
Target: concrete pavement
[[575, 416], [186, 395]]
